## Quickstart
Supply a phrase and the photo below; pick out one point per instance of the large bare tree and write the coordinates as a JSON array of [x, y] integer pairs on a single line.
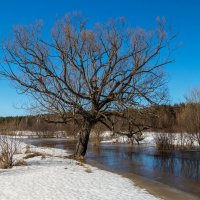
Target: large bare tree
[[88, 75]]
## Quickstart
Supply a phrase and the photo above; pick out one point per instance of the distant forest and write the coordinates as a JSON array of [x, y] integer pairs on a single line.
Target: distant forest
[[166, 118]]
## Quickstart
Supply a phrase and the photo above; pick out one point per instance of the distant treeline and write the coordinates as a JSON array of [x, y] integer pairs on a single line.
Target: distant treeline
[[166, 118], [29, 123]]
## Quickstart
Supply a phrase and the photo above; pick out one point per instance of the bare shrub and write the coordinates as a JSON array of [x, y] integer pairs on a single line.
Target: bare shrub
[[185, 141], [96, 139], [138, 137], [190, 140], [189, 118], [96, 136], [8, 148], [164, 142]]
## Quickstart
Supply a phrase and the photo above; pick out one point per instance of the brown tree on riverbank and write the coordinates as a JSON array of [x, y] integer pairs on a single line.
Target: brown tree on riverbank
[[189, 118], [95, 74]]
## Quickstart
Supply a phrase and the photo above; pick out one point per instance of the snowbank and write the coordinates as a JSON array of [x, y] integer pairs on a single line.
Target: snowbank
[[108, 137], [149, 138], [53, 177]]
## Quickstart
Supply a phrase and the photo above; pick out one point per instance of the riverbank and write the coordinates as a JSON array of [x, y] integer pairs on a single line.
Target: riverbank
[[48, 174], [179, 171]]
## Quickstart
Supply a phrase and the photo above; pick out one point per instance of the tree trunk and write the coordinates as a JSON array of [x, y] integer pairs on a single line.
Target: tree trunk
[[82, 143]]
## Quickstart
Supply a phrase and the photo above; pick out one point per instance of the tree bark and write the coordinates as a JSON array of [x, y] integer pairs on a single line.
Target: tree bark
[[83, 139]]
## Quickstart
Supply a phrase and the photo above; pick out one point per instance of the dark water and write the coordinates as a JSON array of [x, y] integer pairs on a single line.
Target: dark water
[[180, 170]]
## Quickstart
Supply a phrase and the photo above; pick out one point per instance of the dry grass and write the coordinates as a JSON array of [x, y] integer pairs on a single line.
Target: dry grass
[[20, 163], [28, 147], [80, 164], [33, 154], [88, 170]]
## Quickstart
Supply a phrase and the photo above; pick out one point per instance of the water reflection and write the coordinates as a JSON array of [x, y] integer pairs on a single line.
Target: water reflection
[[178, 166], [190, 169]]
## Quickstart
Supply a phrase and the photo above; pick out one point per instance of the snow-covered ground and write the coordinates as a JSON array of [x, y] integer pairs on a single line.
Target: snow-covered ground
[[35, 135], [149, 138], [108, 137], [54, 177]]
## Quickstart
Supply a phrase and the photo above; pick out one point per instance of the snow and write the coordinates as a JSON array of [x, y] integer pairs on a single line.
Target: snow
[[107, 134], [35, 134], [109, 137], [123, 139], [149, 138], [55, 177]]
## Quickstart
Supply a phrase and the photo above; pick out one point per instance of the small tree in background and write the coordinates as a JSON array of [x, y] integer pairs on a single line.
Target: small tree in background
[[190, 116], [88, 75]]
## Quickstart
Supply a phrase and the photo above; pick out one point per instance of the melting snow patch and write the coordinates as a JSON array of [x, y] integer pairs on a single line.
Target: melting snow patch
[[54, 177]]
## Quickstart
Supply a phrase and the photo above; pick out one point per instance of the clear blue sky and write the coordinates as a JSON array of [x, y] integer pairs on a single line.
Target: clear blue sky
[[182, 15]]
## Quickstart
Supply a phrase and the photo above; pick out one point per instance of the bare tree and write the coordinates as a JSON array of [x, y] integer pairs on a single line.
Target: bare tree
[[189, 118], [87, 74], [133, 123]]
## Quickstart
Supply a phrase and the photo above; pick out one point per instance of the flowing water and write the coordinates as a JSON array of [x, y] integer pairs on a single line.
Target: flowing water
[[180, 170]]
